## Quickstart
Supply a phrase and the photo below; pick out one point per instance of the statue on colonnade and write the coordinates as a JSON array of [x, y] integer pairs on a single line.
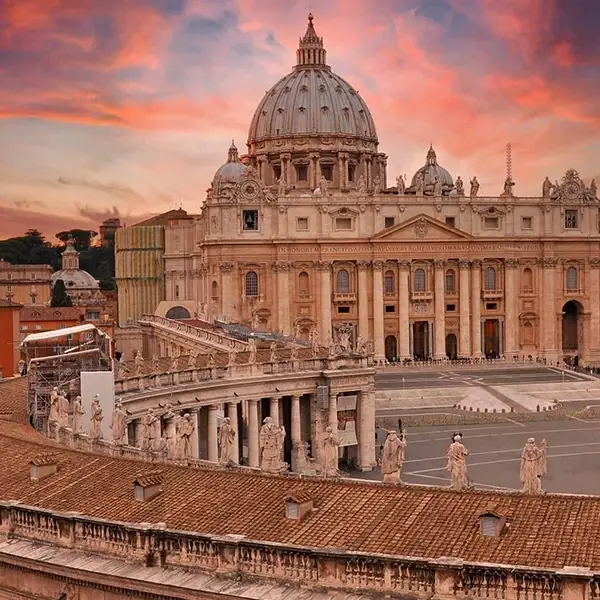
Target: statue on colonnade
[[96, 418], [394, 450], [457, 464], [78, 413], [331, 443], [226, 441], [271, 447], [533, 466]]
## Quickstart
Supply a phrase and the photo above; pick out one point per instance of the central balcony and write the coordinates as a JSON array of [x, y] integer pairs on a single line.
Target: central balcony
[[347, 298], [421, 296]]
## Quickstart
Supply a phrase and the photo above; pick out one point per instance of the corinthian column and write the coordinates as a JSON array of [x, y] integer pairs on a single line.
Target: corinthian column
[[403, 312], [440, 311], [232, 413], [213, 447], [363, 299], [511, 300], [325, 321], [476, 308], [253, 446], [594, 295], [226, 292], [464, 344], [378, 310], [282, 270], [548, 308], [296, 432]]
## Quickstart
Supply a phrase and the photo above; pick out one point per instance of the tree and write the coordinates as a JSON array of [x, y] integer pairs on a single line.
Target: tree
[[29, 249], [59, 294], [81, 237]]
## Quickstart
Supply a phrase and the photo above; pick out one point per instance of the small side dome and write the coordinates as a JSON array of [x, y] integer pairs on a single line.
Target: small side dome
[[431, 170], [233, 169]]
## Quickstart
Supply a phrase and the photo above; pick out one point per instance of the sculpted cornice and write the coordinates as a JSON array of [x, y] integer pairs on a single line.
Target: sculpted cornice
[[404, 264], [463, 264], [547, 263], [323, 265], [439, 264], [281, 266], [363, 264], [226, 267], [476, 264]]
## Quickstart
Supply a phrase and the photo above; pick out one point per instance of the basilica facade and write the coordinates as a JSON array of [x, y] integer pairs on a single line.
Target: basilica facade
[[308, 233]]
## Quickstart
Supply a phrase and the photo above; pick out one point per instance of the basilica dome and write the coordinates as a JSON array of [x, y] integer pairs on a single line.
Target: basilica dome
[[233, 169], [432, 171], [74, 278], [312, 100]]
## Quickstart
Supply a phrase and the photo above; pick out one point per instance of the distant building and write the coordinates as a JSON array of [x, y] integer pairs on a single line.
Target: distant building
[[9, 338], [108, 230], [25, 284]]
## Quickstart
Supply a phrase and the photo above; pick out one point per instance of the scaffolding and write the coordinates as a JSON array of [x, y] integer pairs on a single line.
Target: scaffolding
[[56, 359]]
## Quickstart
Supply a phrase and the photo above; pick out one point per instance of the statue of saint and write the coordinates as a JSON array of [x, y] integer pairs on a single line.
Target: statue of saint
[[360, 345], [546, 188], [331, 444], [533, 466], [252, 348], [139, 363], [192, 360], [593, 190], [54, 418], [314, 343], [185, 432], [271, 446], [96, 419], [393, 457], [508, 186], [361, 185], [232, 357], [63, 409], [323, 184], [474, 187], [460, 186], [273, 348], [297, 331], [119, 423], [344, 340], [301, 454], [78, 413], [420, 184], [332, 348], [400, 185], [457, 464], [255, 322], [211, 360], [281, 186], [376, 184], [155, 363], [226, 441], [437, 187]]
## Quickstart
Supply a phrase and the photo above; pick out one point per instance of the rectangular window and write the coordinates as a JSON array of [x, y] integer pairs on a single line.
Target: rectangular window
[[343, 310], [527, 223], [571, 219], [451, 221], [24, 327], [327, 172], [176, 292], [250, 220], [450, 307], [302, 224], [389, 222], [490, 223], [390, 308], [302, 172], [491, 306], [92, 315], [351, 172], [343, 223], [276, 172]]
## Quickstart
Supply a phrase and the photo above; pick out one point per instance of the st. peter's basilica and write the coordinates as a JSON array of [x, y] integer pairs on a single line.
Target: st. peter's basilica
[[308, 233]]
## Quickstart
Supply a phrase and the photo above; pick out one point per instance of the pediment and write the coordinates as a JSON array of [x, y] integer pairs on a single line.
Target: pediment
[[421, 227]]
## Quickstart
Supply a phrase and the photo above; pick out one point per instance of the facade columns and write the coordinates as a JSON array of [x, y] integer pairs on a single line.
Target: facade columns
[[194, 438], [213, 446], [274, 411], [548, 308], [313, 168], [511, 342], [286, 159], [379, 345], [325, 268], [227, 289], [333, 413], [296, 432], [282, 271], [594, 295], [253, 446], [440, 311], [464, 343], [404, 350], [476, 308], [366, 430], [232, 413], [363, 300]]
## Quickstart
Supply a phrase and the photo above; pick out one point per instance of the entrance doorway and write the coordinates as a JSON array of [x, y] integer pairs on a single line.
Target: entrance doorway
[[491, 338], [391, 348], [451, 346], [571, 327], [421, 340]]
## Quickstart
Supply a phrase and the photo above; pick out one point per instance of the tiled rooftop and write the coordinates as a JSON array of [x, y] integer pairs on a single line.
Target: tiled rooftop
[[549, 531]]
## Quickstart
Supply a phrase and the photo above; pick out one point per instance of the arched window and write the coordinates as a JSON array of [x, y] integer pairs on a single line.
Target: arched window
[[215, 289], [490, 279], [527, 279], [419, 280], [343, 282], [572, 283], [450, 281], [389, 282], [303, 282], [251, 284]]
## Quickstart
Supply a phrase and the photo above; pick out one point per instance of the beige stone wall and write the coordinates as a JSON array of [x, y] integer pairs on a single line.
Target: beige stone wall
[[25, 284]]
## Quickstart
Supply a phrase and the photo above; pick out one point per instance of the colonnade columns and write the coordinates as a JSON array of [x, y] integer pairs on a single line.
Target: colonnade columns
[[253, 447], [403, 311], [325, 324], [476, 308], [296, 432], [366, 430], [213, 445], [511, 340], [594, 344], [313, 170], [363, 299], [286, 159], [379, 345], [274, 411], [227, 289], [333, 412], [464, 343], [232, 413], [282, 270], [548, 308], [440, 311]]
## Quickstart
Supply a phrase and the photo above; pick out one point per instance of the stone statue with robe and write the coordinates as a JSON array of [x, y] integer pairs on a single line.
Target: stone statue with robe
[[393, 457], [155, 363], [361, 185], [78, 413], [139, 363], [376, 184], [175, 364], [226, 441], [314, 343], [460, 186], [323, 184], [192, 360], [53, 418], [119, 423], [185, 433], [420, 184], [96, 417], [293, 352], [63, 410], [273, 356], [271, 447], [281, 186], [547, 188], [437, 187], [331, 443], [457, 464], [360, 345], [211, 360], [400, 185], [533, 466], [474, 187], [232, 357], [508, 187], [333, 350], [252, 348], [147, 430]]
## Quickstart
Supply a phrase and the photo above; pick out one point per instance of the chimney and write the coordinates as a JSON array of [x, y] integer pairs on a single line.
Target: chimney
[[43, 466], [148, 486], [298, 505]]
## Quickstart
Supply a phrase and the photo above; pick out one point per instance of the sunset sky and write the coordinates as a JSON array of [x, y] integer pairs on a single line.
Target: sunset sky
[[127, 107]]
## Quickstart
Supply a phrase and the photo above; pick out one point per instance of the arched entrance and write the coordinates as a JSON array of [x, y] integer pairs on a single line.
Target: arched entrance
[[178, 312], [572, 328], [451, 346], [391, 348]]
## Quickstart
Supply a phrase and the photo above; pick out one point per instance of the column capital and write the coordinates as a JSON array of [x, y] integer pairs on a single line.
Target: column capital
[[463, 263], [285, 156], [404, 264], [595, 263], [476, 264], [547, 263], [378, 265], [511, 263], [363, 264], [439, 264], [226, 267], [323, 265], [281, 266]]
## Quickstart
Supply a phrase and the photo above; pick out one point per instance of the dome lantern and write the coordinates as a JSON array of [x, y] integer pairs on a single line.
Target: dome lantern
[[311, 52]]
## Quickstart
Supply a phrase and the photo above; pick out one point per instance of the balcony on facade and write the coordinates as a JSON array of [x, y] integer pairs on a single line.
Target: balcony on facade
[[346, 298], [421, 296], [492, 294]]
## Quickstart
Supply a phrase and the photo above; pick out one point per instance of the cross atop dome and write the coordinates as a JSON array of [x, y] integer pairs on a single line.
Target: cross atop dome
[[311, 52]]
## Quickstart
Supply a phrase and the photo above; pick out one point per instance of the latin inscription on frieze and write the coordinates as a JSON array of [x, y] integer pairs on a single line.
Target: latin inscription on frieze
[[473, 247]]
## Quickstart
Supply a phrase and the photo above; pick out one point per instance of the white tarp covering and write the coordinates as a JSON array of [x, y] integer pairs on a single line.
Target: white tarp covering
[[57, 333], [103, 384]]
